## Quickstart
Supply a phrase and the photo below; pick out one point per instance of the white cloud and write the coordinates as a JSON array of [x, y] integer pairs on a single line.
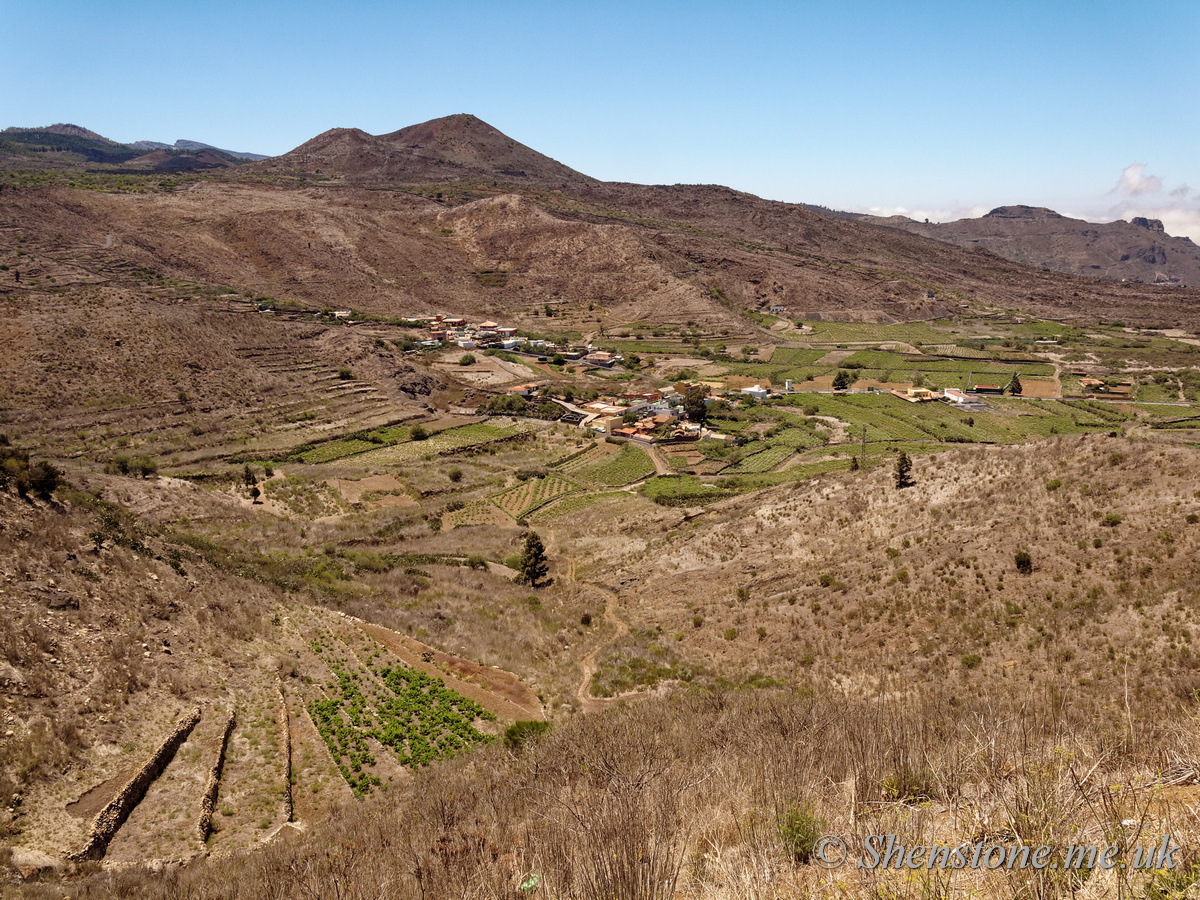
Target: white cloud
[[1182, 191], [1135, 181], [933, 214]]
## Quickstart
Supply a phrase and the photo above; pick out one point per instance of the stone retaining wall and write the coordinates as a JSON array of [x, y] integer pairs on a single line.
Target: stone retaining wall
[[208, 802], [285, 734], [109, 820]]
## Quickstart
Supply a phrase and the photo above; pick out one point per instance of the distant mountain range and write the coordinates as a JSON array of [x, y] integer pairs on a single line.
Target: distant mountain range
[[477, 159], [110, 150], [1139, 250]]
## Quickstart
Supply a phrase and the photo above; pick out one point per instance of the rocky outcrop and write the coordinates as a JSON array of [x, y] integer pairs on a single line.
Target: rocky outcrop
[[113, 816], [208, 802]]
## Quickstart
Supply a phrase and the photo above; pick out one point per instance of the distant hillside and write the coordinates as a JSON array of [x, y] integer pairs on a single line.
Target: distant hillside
[[1140, 250], [62, 129], [182, 161], [197, 145], [64, 146], [452, 148]]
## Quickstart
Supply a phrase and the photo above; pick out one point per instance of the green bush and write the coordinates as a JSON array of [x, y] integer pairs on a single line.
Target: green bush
[[971, 660], [520, 733], [800, 828]]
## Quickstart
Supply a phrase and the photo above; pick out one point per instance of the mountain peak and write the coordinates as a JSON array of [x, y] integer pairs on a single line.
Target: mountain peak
[[1022, 212], [450, 148]]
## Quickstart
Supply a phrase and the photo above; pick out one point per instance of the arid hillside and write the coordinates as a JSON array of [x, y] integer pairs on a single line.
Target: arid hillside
[[453, 148], [1139, 250]]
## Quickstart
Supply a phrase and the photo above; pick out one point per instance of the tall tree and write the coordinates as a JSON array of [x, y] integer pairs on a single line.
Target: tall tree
[[903, 470], [694, 406], [1015, 385], [533, 559]]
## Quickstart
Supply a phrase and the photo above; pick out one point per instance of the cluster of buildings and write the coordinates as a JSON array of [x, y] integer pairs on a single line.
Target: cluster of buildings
[[492, 335]]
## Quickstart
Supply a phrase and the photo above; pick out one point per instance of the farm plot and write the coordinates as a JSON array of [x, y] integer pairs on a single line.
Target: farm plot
[[335, 450], [575, 503], [631, 464], [799, 438], [763, 461], [442, 442], [383, 703], [477, 512], [882, 415], [522, 499], [581, 460]]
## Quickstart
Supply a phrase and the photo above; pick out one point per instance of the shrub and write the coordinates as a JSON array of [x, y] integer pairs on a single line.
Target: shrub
[[1024, 562], [907, 785], [971, 660], [800, 828], [1192, 519], [418, 433], [1112, 520], [467, 360], [345, 375], [697, 621], [455, 474], [520, 733], [731, 634]]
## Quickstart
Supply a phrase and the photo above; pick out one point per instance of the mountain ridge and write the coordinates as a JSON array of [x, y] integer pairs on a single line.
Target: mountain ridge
[[1134, 250]]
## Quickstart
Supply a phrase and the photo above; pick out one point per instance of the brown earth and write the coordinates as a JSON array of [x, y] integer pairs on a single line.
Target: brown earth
[[1139, 250]]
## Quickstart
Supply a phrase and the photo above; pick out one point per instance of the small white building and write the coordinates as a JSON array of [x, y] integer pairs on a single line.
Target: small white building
[[757, 392]]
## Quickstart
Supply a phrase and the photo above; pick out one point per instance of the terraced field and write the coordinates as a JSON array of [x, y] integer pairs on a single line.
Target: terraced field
[[576, 502], [888, 418], [522, 499], [442, 442], [374, 702], [630, 465], [477, 512], [576, 461], [763, 461]]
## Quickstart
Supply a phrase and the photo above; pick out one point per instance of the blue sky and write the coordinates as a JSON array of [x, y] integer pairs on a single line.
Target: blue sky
[[934, 109]]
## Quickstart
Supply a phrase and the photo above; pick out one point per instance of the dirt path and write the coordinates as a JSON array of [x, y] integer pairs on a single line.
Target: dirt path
[[587, 665], [661, 466]]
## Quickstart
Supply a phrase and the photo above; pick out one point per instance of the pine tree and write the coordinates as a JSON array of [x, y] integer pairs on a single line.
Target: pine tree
[[903, 470], [1015, 385], [533, 559]]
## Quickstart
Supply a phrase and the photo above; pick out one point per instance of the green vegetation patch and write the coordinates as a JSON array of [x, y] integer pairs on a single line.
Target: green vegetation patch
[[631, 464], [412, 714], [527, 496]]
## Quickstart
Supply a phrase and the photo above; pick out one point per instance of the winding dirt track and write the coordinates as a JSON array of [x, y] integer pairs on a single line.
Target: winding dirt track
[[587, 665]]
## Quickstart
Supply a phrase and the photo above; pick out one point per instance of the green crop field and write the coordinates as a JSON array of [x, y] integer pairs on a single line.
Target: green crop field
[[576, 502], [581, 459], [631, 464], [443, 441], [335, 450], [477, 512], [523, 498], [412, 714], [763, 461]]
